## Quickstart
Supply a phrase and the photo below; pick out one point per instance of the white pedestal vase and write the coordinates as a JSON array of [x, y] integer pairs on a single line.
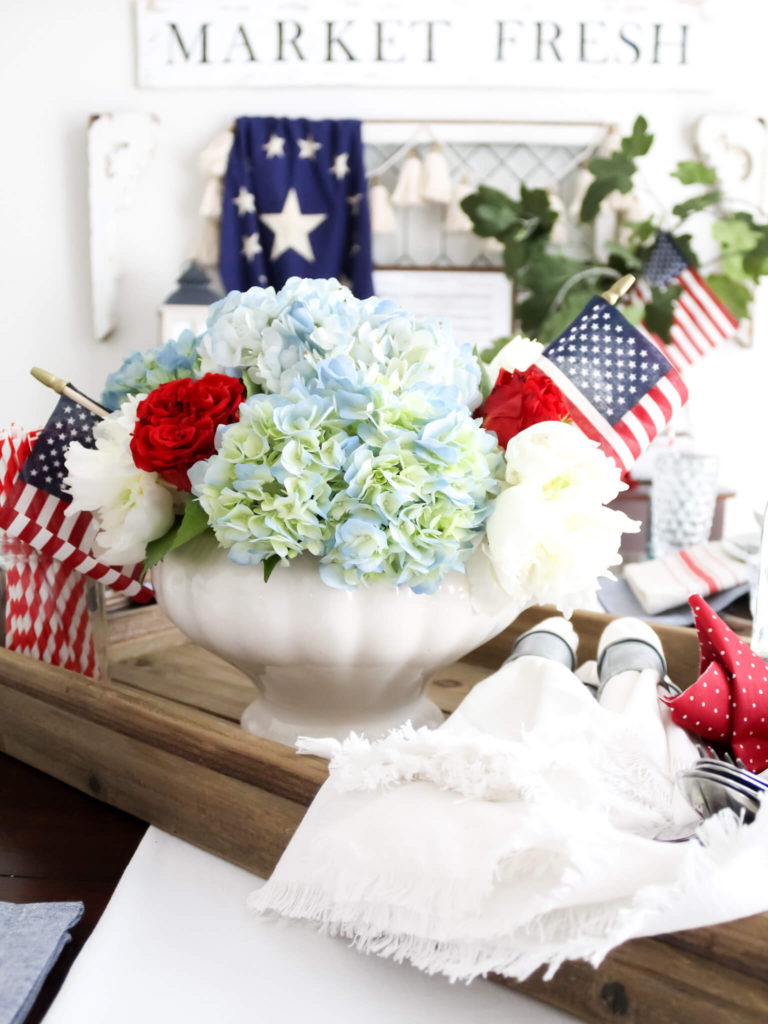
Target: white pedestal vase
[[324, 661]]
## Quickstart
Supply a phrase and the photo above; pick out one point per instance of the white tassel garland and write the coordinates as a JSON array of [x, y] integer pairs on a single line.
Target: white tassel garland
[[408, 189], [436, 177], [383, 220], [455, 218]]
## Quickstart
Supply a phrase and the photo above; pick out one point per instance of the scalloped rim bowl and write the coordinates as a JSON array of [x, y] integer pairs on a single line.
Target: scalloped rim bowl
[[325, 661]]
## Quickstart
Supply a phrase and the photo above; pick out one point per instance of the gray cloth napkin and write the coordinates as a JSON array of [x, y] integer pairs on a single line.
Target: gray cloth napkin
[[617, 598], [32, 935]]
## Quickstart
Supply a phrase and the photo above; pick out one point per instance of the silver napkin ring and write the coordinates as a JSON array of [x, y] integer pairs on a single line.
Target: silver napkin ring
[[672, 689], [630, 654], [544, 644]]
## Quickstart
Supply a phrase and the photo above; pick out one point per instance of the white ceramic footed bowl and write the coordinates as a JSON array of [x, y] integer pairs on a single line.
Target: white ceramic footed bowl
[[324, 661]]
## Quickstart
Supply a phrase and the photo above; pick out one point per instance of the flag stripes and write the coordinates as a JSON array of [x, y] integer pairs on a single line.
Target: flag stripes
[[619, 388], [40, 520], [700, 320]]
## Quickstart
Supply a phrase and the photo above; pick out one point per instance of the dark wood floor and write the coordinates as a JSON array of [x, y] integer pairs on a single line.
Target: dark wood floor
[[59, 844]]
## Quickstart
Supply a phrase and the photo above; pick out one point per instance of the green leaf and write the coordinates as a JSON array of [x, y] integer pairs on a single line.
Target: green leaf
[[696, 203], [741, 237], [659, 312], [269, 566], [693, 172], [635, 313], [738, 237], [733, 294], [639, 142], [755, 263], [542, 278], [495, 221], [685, 244], [559, 319], [515, 256], [595, 194], [534, 204], [491, 351], [191, 524], [624, 259], [615, 171], [736, 233], [486, 384], [492, 212], [617, 165], [642, 229], [251, 388]]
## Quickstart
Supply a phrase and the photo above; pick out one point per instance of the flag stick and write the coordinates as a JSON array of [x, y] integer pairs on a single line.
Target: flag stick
[[62, 388], [619, 288]]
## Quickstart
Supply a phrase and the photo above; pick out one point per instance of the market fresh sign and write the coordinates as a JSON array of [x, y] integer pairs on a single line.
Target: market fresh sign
[[399, 43]]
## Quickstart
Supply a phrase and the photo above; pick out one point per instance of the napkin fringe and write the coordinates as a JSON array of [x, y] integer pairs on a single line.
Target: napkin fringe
[[392, 921], [485, 767], [574, 933]]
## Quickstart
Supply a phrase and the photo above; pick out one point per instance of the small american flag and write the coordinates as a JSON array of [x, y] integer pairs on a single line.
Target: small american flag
[[45, 466], [620, 389], [35, 512], [701, 321]]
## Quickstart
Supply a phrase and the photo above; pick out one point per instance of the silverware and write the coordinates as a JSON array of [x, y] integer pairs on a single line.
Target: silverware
[[709, 793], [759, 642], [678, 833], [728, 773]]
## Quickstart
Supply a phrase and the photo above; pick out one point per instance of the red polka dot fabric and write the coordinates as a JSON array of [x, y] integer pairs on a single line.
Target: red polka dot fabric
[[728, 703]]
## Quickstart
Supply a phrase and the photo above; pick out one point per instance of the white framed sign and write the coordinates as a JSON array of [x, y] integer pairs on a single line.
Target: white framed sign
[[656, 45], [476, 304]]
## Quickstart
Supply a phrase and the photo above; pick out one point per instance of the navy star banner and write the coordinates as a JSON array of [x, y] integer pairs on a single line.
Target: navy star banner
[[295, 204]]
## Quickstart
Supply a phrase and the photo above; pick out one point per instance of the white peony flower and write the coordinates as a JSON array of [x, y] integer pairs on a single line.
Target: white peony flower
[[550, 535], [518, 354], [558, 457], [130, 506]]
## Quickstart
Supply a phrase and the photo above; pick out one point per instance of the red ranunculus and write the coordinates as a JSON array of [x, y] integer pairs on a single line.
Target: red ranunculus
[[519, 400], [176, 424]]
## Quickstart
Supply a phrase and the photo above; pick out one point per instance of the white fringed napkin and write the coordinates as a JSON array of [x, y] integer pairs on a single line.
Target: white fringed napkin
[[514, 835]]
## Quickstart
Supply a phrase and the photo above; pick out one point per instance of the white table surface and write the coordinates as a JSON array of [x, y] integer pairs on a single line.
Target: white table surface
[[176, 945]]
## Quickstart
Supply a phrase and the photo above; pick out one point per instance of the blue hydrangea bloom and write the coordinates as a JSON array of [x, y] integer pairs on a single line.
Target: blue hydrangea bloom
[[382, 486], [141, 372]]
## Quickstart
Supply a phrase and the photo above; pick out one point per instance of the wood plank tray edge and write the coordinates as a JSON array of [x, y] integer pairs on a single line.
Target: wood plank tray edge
[[242, 798]]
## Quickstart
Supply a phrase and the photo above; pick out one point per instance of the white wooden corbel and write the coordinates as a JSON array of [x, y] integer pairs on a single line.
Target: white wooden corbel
[[119, 148]]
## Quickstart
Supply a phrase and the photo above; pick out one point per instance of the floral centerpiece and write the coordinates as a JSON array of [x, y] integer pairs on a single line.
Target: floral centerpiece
[[310, 421], [306, 422]]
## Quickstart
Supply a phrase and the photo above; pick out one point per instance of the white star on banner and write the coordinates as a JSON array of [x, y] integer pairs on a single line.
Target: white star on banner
[[354, 203], [245, 202], [308, 148], [340, 166], [275, 146], [251, 246], [292, 228]]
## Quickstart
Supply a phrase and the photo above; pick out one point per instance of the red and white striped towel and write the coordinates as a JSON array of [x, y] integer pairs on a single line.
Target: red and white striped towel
[[663, 583]]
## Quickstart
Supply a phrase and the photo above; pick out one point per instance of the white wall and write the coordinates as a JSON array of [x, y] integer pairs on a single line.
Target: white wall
[[63, 60]]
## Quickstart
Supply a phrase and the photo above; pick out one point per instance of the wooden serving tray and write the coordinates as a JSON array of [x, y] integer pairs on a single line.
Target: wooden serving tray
[[161, 741]]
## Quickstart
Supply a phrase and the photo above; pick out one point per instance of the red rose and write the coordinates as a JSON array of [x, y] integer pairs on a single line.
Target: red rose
[[519, 400], [176, 424]]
